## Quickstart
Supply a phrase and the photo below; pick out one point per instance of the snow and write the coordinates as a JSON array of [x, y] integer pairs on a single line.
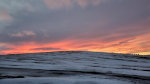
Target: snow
[[61, 81], [106, 63]]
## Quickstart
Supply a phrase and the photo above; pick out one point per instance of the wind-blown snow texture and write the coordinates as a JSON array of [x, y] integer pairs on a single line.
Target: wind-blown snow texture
[[74, 67]]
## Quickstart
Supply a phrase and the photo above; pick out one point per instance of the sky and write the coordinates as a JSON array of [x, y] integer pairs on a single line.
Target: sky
[[118, 26]]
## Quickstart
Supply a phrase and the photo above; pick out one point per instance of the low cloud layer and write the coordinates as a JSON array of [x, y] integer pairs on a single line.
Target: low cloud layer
[[94, 25]]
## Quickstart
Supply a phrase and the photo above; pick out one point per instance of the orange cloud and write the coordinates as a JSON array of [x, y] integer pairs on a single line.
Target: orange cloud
[[73, 46], [126, 45]]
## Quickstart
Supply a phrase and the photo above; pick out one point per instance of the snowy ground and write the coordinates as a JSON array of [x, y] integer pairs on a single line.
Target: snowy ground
[[74, 68]]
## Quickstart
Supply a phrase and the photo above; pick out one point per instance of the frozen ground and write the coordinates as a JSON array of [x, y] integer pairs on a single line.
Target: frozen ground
[[74, 67]]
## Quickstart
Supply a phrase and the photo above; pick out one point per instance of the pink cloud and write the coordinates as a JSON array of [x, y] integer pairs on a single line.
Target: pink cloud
[[22, 34], [4, 16], [54, 4]]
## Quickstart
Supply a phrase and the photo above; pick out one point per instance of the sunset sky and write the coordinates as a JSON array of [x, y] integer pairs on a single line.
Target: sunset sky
[[31, 26]]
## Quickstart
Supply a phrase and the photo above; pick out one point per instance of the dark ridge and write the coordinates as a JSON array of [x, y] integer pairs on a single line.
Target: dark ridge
[[146, 57], [48, 52], [60, 72], [4, 77]]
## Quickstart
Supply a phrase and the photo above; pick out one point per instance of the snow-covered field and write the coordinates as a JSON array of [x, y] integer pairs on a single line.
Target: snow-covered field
[[74, 67]]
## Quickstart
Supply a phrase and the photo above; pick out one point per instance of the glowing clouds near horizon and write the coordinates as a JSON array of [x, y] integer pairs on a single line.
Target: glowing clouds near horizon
[[120, 46], [31, 26]]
